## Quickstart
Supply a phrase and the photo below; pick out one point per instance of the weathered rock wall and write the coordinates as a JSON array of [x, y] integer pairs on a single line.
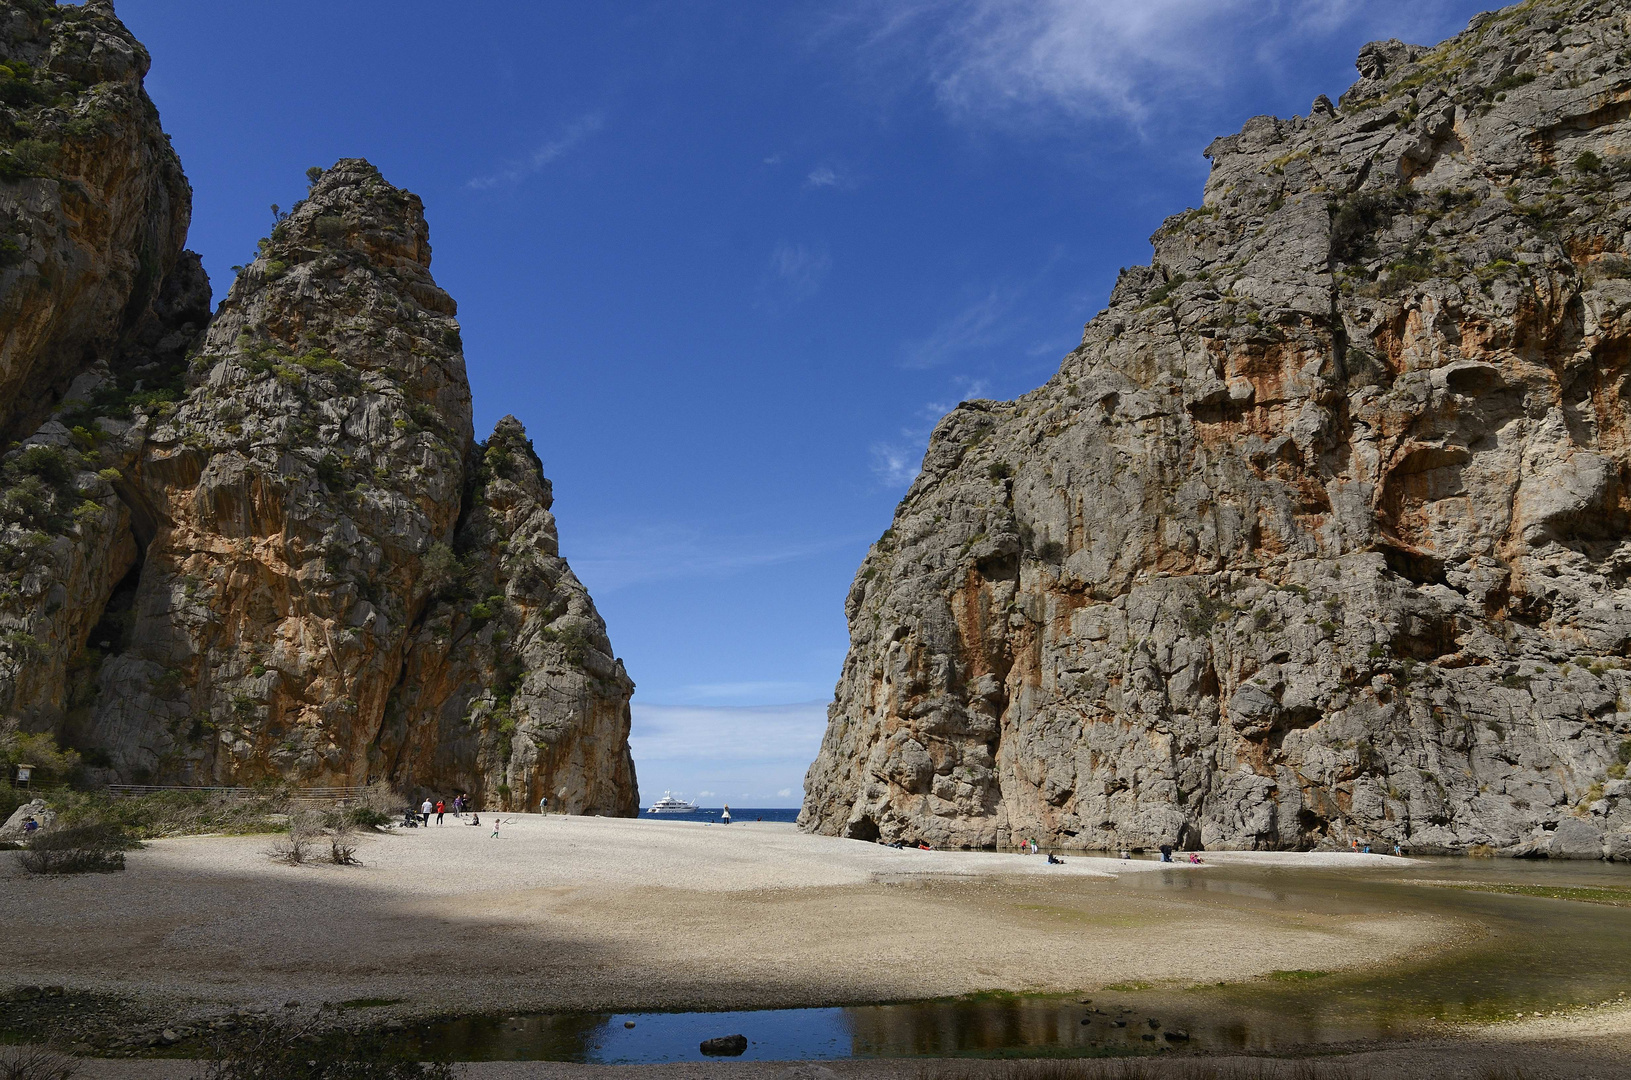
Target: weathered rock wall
[[94, 207], [1322, 532], [272, 550], [96, 294], [511, 685]]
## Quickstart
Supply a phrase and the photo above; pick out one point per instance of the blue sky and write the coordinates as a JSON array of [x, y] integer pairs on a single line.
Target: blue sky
[[729, 262]]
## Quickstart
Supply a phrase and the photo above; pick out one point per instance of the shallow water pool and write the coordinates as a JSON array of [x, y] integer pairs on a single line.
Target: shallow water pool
[[1525, 954]]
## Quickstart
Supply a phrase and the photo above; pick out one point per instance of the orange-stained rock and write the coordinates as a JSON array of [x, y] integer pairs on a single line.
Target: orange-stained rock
[[1323, 532], [229, 556]]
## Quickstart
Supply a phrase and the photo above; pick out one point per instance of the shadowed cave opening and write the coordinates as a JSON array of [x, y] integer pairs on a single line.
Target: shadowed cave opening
[[864, 829], [112, 632]]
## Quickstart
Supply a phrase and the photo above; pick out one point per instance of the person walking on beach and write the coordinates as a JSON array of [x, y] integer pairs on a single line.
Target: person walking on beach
[[1166, 852], [496, 823], [425, 809], [726, 818], [441, 807]]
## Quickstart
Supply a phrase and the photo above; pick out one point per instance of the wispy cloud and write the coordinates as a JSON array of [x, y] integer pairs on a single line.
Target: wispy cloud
[[648, 553], [747, 691], [895, 463], [556, 148], [796, 271], [978, 325], [757, 751], [1108, 58]]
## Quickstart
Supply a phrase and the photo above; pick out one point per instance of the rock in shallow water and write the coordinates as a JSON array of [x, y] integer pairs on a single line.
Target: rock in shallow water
[[725, 1046]]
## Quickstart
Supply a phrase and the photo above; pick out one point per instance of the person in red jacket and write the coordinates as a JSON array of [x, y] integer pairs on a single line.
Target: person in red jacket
[[440, 807]]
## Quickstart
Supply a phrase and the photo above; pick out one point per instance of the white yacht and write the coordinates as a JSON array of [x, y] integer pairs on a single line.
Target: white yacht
[[670, 805]]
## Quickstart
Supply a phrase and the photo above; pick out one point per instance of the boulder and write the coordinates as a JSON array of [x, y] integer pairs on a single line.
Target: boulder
[[36, 809], [725, 1046]]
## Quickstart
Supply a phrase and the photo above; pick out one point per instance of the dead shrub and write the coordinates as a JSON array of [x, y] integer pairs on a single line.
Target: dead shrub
[[377, 807], [35, 1063], [78, 849], [290, 849], [342, 853]]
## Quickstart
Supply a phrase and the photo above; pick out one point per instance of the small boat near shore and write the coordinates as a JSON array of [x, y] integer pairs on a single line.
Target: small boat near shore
[[668, 804]]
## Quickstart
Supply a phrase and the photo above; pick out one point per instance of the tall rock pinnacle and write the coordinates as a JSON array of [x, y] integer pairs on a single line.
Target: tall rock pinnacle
[[272, 549]]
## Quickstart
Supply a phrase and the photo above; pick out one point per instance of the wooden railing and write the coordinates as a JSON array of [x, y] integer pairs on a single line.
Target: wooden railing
[[299, 794]]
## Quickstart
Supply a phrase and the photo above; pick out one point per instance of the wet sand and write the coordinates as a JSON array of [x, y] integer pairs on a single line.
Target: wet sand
[[563, 913]]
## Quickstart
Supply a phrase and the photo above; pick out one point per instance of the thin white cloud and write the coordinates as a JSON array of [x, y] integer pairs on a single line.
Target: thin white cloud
[[748, 691], [556, 148], [979, 325], [796, 271], [822, 176], [895, 465], [759, 751], [1109, 58], [664, 552]]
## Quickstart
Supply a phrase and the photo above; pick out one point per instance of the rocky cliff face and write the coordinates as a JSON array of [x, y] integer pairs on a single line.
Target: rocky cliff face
[[97, 301], [93, 204], [273, 549], [511, 684], [1322, 532]]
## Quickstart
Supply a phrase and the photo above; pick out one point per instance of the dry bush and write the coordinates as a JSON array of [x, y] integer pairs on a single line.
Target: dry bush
[[174, 813], [303, 842], [77, 849], [35, 1063], [377, 808], [290, 849]]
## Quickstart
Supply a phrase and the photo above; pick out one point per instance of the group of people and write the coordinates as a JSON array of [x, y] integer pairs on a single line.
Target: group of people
[[1363, 847], [439, 807], [461, 802]]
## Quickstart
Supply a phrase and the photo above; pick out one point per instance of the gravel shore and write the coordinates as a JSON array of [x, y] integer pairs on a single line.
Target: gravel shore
[[592, 913]]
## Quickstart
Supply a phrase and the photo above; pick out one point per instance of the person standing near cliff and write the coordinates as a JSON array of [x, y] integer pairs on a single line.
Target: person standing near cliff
[[424, 810], [441, 808]]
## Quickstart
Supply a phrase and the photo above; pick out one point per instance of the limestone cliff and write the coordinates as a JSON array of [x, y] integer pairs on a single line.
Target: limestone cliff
[[272, 549], [511, 685], [97, 300], [1323, 532]]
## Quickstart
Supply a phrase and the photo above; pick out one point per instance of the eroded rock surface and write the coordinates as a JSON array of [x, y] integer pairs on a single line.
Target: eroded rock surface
[[98, 303], [272, 549], [1322, 532], [511, 684]]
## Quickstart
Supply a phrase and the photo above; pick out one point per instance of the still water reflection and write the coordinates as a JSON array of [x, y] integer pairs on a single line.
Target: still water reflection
[[1525, 954]]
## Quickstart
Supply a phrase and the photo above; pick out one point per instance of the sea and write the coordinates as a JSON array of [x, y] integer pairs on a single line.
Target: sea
[[738, 813]]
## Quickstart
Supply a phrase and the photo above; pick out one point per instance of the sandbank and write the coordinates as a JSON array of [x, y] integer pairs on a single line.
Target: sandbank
[[568, 913]]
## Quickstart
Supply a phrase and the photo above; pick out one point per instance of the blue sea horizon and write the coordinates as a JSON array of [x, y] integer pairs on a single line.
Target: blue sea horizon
[[738, 813]]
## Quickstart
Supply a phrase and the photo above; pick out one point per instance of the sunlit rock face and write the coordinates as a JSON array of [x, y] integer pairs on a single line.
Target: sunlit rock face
[[270, 549], [1321, 533]]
